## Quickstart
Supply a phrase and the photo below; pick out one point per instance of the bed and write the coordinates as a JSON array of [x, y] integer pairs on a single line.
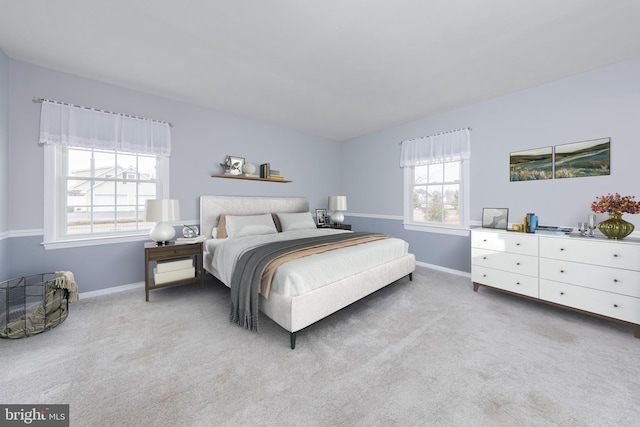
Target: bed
[[304, 290]]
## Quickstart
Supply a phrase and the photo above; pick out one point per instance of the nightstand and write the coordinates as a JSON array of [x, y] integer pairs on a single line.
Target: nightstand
[[172, 251], [337, 226]]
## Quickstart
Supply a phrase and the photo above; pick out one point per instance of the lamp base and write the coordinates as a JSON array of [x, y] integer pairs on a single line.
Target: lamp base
[[337, 217], [162, 233]]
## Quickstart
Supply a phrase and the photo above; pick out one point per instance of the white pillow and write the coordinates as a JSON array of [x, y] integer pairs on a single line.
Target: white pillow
[[249, 225], [296, 221]]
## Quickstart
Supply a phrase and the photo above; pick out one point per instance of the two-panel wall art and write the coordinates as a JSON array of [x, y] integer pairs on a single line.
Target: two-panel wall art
[[574, 160]]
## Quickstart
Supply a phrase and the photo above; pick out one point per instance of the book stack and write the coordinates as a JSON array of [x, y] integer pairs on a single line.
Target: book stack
[[276, 177], [175, 269], [265, 171], [552, 229], [188, 240]]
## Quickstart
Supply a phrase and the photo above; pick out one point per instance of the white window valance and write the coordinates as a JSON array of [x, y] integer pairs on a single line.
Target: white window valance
[[444, 147], [71, 125]]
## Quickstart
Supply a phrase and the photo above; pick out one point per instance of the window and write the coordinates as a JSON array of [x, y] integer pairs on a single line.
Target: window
[[436, 185], [96, 193], [436, 195], [100, 168]]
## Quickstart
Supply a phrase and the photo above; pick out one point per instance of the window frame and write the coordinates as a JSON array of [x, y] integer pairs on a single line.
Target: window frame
[[55, 203], [461, 229]]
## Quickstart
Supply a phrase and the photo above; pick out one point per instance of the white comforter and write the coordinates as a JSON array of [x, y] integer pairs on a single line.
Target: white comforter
[[306, 274]]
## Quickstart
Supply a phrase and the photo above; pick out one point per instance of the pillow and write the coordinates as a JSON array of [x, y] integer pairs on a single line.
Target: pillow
[[221, 229], [249, 225], [276, 222], [296, 221]]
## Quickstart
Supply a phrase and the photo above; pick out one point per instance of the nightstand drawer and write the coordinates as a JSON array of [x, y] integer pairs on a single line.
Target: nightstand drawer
[[164, 252]]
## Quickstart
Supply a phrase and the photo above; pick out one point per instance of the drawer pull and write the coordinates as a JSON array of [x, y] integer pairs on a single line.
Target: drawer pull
[[561, 271], [615, 280], [484, 275], [561, 293], [517, 283], [561, 249], [615, 255], [517, 263], [484, 257], [484, 240], [517, 244], [615, 305]]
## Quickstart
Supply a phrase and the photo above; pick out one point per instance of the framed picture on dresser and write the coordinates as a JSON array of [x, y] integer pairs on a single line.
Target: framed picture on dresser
[[497, 218]]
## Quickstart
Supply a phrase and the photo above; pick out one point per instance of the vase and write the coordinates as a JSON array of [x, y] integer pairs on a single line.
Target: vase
[[615, 227]]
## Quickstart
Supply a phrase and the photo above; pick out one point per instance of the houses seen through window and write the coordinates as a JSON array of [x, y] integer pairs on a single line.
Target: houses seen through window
[[435, 193], [105, 191]]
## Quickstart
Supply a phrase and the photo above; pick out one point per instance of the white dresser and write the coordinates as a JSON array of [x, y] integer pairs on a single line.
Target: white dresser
[[592, 275]]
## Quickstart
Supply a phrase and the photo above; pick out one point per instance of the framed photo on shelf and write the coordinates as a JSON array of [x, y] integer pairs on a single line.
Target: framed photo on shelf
[[235, 165], [495, 218], [321, 217]]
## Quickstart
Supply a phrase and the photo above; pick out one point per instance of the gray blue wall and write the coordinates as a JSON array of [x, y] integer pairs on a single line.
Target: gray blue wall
[[4, 166], [201, 138], [600, 103], [596, 104]]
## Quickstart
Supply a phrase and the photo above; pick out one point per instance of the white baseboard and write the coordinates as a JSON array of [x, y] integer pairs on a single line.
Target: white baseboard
[[107, 291], [445, 269], [115, 289]]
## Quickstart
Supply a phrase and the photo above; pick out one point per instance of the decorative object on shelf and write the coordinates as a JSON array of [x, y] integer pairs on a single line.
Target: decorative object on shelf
[[337, 204], [265, 171], [233, 165], [615, 205], [162, 212], [322, 219], [495, 218], [249, 169], [189, 231]]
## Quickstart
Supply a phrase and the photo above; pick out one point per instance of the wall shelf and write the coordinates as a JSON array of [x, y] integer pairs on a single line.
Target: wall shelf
[[250, 178]]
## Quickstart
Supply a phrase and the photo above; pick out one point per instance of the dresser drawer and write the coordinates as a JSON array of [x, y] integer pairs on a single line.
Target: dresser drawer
[[518, 283], [624, 282], [504, 241], [598, 252], [606, 303], [514, 263]]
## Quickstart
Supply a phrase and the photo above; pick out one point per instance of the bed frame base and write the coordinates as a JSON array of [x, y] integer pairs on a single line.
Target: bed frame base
[[292, 335]]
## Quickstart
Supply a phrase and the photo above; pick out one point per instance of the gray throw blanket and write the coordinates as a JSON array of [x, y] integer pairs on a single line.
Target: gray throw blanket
[[245, 281]]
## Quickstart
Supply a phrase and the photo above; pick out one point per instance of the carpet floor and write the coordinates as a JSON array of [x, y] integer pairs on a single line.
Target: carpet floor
[[427, 352]]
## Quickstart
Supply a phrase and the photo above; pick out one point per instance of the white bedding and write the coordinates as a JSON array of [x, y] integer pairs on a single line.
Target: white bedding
[[306, 274]]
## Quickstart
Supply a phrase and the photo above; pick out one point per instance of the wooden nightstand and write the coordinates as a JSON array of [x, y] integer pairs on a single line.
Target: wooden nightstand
[[152, 252], [337, 226]]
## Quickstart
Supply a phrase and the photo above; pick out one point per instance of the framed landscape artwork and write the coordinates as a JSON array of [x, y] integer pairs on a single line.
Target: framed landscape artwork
[[586, 158], [532, 164]]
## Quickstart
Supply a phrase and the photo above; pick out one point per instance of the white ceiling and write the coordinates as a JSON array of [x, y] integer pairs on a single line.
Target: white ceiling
[[332, 68]]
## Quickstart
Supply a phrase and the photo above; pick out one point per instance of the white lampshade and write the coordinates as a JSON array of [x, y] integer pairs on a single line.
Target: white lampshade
[[162, 212], [338, 204]]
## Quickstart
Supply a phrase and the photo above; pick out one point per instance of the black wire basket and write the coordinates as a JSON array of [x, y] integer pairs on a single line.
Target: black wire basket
[[30, 305]]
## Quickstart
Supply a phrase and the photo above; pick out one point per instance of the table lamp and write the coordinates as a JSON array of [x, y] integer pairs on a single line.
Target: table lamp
[[162, 212], [337, 204]]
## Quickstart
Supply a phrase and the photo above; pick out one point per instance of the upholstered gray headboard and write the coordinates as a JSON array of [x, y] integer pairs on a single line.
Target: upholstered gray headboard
[[212, 206]]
